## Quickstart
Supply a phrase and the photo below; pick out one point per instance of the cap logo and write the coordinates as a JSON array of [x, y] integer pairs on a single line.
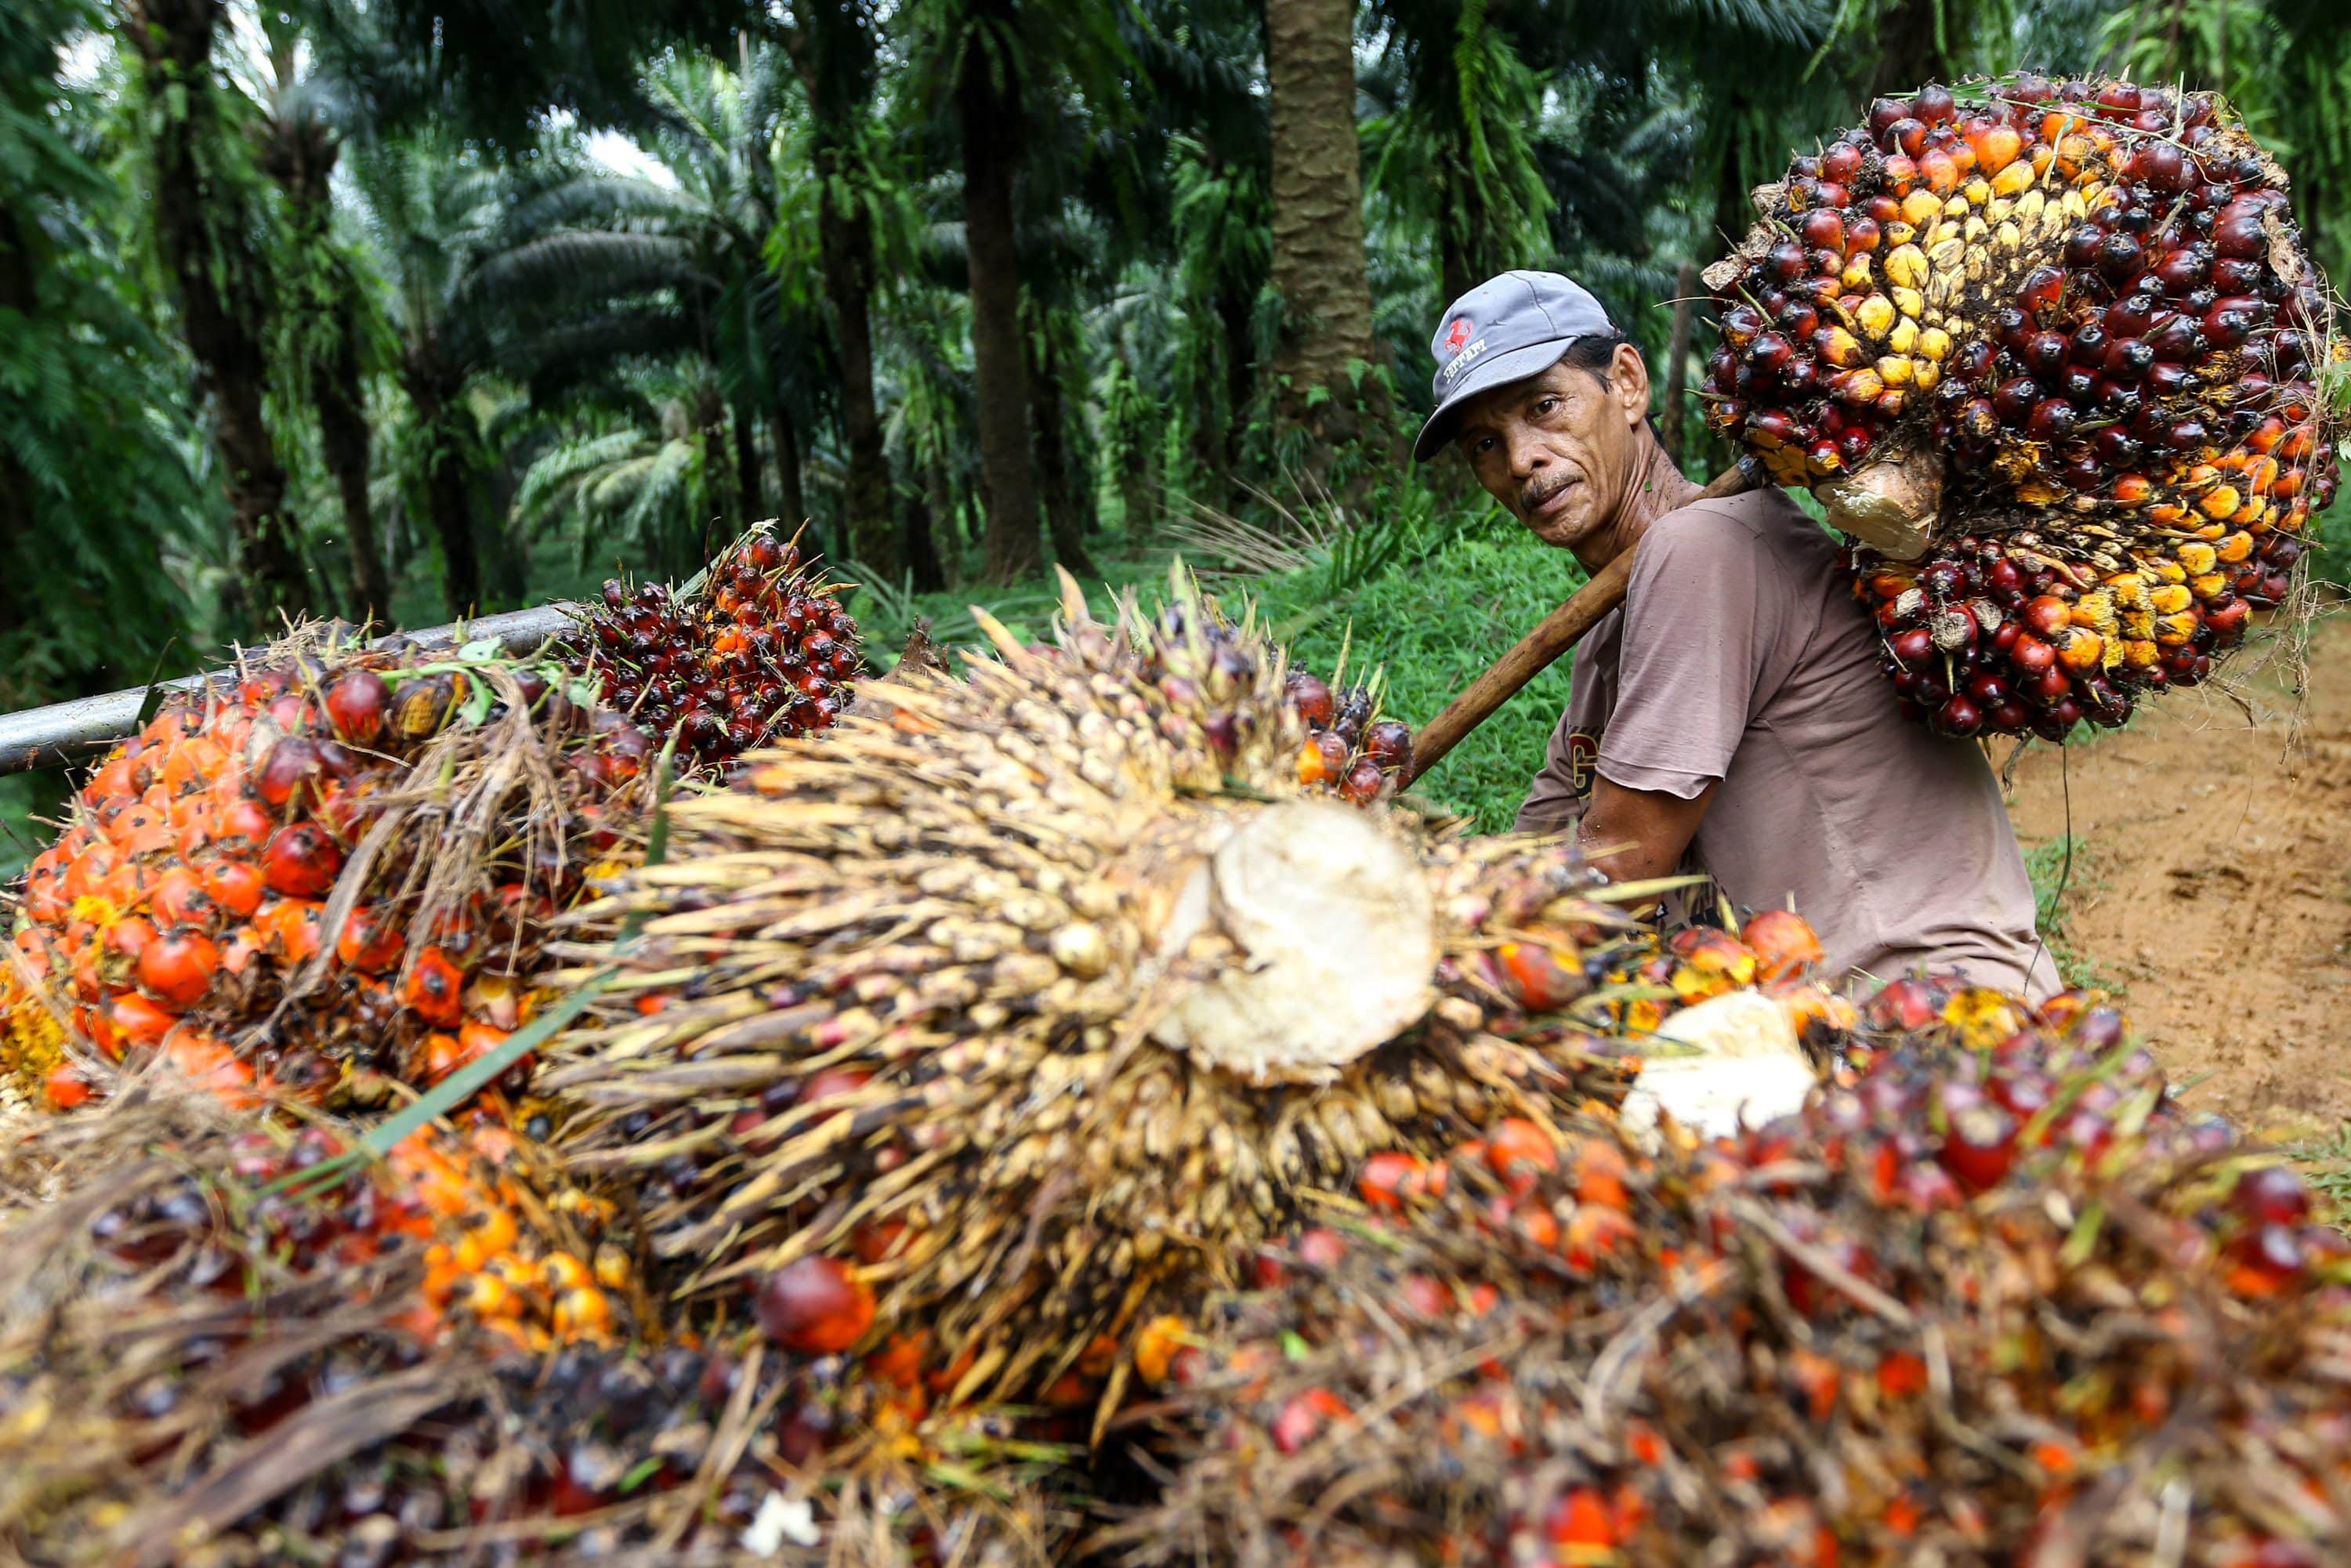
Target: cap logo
[[1457, 335]]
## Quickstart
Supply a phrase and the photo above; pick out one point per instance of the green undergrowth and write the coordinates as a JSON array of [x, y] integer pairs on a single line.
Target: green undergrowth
[[2328, 1164]]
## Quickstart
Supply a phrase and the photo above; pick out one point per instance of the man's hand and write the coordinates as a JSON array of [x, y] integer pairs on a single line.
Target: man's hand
[[1636, 834]]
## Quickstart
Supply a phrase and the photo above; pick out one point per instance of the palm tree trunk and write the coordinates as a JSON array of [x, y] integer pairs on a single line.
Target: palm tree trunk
[[1318, 225], [1064, 515], [338, 390], [791, 500], [832, 48], [922, 543], [991, 115], [448, 496], [198, 229], [300, 155], [747, 465], [1677, 351]]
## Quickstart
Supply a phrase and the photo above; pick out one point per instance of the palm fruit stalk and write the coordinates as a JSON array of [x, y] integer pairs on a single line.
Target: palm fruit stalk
[[760, 648], [2055, 359], [1988, 1298], [341, 862], [1021, 1003], [209, 1357]]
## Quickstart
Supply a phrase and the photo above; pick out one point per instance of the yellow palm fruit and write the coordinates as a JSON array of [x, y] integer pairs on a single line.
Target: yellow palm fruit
[[2220, 501], [1904, 336], [2196, 557], [2234, 547], [2208, 585], [1935, 343], [1861, 386], [1875, 316], [1925, 374], [1841, 349], [1909, 302], [1920, 206], [1899, 233], [2129, 590], [2140, 652], [1893, 370], [2170, 631], [2014, 179], [2138, 624], [1906, 265], [1856, 275], [1977, 190], [2170, 599]]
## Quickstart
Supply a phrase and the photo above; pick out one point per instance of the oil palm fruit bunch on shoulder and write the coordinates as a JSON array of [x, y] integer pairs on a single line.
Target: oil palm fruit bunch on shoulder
[[1023, 1003], [2054, 357], [758, 648], [335, 860], [1845, 1337]]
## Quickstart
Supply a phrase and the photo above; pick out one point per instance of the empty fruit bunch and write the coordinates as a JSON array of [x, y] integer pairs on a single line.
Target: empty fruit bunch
[[1020, 1003], [1985, 1300], [2055, 359], [761, 649], [335, 864]]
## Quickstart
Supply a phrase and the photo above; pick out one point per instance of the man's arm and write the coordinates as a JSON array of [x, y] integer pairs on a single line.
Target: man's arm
[[1636, 834]]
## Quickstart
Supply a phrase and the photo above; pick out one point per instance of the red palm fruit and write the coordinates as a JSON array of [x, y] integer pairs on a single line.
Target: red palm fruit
[[301, 860], [434, 989], [65, 1088], [136, 1021], [358, 705], [1520, 1154], [1391, 1179], [1783, 942], [1980, 1147], [815, 1306], [1363, 783], [369, 942], [177, 969], [290, 771], [234, 886], [179, 898]]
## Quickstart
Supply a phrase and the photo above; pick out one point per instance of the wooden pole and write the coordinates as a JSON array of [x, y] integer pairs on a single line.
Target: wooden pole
[[1538, 649]]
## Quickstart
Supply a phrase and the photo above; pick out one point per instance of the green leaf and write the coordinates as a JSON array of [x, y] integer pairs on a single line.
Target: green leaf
[[481, 651], [1293, 1345]]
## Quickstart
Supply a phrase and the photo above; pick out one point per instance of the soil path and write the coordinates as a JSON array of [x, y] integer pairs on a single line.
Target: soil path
[[2211, 884]]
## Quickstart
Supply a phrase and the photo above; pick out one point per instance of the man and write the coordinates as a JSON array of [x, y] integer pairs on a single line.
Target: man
[[1730, 712]]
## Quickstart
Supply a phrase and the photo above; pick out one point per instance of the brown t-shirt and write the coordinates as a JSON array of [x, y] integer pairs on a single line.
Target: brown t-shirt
[[1739, 654]]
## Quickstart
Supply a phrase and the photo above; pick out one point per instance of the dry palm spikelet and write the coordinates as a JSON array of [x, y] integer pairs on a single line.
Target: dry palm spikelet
[[2055, 355], [1029, 997], [202, 1366], [1988, 1300], [338, 861]]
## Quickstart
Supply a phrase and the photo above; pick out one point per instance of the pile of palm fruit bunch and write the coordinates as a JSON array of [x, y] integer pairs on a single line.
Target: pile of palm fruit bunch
[[2054, 358], [757, 648], [1026, 1004], [224, 1343], [335, 867], [1988, 1298]]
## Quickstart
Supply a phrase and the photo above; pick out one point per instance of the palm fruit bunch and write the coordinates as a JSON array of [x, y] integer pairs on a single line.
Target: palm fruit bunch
[[1024, 1003], [338, 861], [2052, 355], [1350, 747], [761, 648], [224, 1344], [1987, 1299]]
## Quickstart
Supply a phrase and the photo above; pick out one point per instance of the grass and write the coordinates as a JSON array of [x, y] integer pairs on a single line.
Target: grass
[[2062, 870]]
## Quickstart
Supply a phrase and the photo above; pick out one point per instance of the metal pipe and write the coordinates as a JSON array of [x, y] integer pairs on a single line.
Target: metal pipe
[[65, 732]]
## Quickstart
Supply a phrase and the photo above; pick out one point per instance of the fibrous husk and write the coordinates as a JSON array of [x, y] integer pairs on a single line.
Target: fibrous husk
[[1037, 998], [1986, 1300], [2055, 357]]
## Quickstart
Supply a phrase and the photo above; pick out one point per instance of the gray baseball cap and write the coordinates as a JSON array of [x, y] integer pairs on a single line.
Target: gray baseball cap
[[1504, 331]]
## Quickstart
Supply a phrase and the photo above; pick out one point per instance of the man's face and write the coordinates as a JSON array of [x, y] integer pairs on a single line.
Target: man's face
[[1559, 449]]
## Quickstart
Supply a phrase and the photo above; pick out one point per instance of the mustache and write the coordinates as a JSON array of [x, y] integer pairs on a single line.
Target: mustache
[[1535, 494]]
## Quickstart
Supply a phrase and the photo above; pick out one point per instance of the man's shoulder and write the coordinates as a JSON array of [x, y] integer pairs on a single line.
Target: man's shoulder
[[1751, 525]]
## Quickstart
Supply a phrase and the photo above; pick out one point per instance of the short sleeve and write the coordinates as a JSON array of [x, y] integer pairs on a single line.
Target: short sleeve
[[1553, 803], [1702, 615]]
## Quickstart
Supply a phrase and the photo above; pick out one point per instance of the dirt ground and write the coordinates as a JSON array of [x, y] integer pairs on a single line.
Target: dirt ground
[[2212, 886]]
